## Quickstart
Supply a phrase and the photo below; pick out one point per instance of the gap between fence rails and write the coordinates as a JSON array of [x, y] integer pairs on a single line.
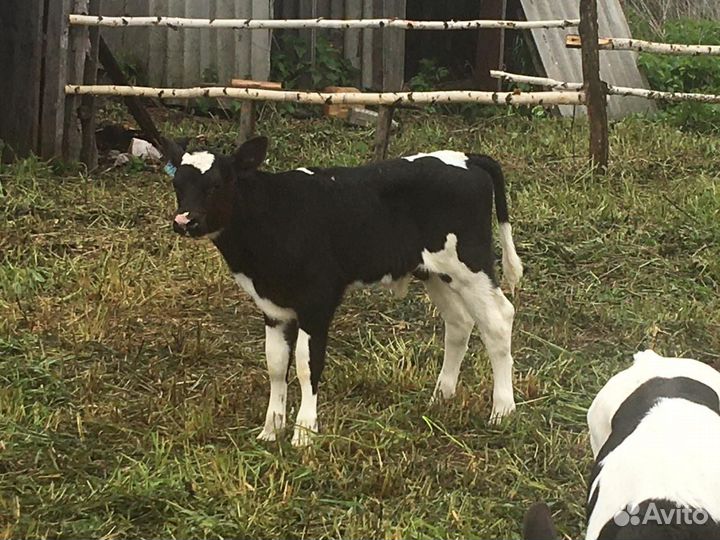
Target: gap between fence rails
[[251, 24]]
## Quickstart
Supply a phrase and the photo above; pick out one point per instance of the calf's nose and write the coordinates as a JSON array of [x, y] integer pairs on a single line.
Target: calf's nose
[[182, 219]]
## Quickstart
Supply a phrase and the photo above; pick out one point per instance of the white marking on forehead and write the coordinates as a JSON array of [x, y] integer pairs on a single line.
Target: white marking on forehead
[[202, 161], [305, 170], [449, 157]]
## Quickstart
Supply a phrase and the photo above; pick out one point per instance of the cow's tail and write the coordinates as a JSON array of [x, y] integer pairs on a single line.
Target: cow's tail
[[511, 264]]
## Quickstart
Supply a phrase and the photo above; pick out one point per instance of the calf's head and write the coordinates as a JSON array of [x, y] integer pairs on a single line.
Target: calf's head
[[206, 185]]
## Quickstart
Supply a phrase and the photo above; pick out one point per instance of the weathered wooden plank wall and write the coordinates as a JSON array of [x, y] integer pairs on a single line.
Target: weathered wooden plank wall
[[21, 31], [191, 56], [56, 45]]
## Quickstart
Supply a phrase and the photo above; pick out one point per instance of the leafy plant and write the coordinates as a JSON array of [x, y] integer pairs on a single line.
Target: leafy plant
[[428, 76], [133, 70], [687, 73], [291, 63]]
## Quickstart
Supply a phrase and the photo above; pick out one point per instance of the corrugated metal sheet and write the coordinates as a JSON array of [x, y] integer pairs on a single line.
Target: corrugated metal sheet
[[191, 56], [616, 67]]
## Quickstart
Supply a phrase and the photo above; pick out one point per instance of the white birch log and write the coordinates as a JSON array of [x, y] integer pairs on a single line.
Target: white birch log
[[349, 98], [539, 81], [639, 45], [663, 96], [242, 24], [612, 90]]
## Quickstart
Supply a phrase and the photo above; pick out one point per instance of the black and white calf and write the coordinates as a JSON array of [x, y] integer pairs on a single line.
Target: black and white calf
[[655, 434], [296, 240]]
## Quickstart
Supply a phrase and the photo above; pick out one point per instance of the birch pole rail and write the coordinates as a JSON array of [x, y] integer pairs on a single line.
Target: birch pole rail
[[624, 44], [346, 98], [538, 81], [611, 90], [275, 24]]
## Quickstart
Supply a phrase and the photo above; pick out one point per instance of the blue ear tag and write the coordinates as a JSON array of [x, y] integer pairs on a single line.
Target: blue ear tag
[[170, 169]]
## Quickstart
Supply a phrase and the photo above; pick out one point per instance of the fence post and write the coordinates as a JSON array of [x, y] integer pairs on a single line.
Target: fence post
[[55, 78], [88, 145], [393, 74], [595, 88], [78, 48]]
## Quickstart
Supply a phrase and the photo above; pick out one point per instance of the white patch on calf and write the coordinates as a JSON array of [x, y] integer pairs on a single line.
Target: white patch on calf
[[511, 264], [266, 306], [306, 421], [277, 354], [490, 310], [305, 170], [202, 161], [647, 365], [449, 157], [671, 454], [458, 327]]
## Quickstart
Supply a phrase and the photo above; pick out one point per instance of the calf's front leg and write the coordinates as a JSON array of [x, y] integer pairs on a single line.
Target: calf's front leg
[[280, 338], [309, 364]]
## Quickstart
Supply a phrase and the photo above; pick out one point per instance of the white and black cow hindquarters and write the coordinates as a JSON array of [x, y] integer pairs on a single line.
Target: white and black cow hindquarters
[[465, 298], [655, 434]]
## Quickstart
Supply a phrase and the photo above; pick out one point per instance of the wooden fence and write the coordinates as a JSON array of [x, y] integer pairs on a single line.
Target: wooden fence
[[391, 78], [74, 78]]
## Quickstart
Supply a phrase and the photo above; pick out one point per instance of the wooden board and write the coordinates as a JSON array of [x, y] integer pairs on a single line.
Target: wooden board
[[490, 46], [158, 45], [243, 10], [78, 43], [192, 44], [225, 42], [260, 48], [24, 108], [55, 78], [175, 66]]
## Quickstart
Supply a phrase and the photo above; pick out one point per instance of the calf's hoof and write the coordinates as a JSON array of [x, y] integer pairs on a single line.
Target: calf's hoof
[[267, 434], [304, 432], [501, 409]]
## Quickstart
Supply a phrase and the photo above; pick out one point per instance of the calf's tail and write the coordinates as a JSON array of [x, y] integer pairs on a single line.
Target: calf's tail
[[511, 264]]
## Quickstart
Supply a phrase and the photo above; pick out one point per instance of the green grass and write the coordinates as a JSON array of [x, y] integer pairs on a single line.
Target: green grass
[[132, 379]]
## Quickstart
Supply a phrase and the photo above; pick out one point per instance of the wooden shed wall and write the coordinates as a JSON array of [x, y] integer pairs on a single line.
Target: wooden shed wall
[[188, 57], [191, 56]]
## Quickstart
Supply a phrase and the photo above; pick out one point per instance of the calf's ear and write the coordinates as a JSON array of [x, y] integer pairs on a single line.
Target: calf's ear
[[173, 151], [251, 154], [538, 523]]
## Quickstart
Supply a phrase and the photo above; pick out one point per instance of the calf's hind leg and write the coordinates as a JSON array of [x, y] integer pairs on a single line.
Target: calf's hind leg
[[458, 326], [494, 315], [489, 308]]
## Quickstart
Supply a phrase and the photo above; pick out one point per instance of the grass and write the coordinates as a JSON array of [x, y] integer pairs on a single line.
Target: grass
[[132, 371]]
